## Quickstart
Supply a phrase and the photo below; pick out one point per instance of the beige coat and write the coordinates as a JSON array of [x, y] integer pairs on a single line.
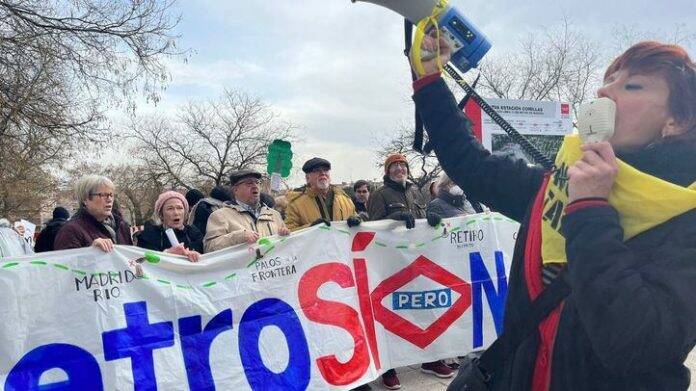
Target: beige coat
[[303, 207], [227, 226]]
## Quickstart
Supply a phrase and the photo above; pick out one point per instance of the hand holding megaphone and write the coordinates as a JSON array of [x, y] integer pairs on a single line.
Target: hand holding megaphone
[[430, 48], [592, 176]]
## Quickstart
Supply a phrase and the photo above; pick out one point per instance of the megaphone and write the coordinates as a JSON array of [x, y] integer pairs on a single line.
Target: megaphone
[[468, 43]]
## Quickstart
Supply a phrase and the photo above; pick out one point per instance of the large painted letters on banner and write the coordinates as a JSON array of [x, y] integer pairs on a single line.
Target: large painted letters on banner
[[326, 308]]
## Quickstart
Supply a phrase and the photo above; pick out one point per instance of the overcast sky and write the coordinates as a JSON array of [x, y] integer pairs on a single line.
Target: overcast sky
[[336, 69]]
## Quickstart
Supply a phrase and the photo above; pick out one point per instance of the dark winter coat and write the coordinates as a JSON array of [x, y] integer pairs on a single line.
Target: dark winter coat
[[446, 205], [630, 320], [359, 206], [47, 236], [198, 217], [81, 230], [153, 237], [395, 197]]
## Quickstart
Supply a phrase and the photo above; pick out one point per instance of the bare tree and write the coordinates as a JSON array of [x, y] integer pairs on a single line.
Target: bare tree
[[105, 46], [558, 64], [25, 187], [553, 64], [209, 139], [626, 35], [62, 64], [137, 185], [423, 168]]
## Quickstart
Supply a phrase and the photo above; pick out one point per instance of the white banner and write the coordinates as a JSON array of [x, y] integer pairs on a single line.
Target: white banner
[[326, 308]]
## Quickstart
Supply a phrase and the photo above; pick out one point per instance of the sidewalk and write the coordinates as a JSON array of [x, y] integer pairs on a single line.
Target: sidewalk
[[412, 379]]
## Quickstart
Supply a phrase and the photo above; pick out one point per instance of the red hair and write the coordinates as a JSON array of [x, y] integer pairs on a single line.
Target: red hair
[[674, 64]]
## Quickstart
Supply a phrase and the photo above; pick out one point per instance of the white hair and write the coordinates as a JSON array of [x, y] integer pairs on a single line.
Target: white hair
[[87, 185]]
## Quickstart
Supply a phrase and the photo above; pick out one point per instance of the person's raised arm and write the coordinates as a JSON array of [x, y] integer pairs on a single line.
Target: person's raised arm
[[504, 183]]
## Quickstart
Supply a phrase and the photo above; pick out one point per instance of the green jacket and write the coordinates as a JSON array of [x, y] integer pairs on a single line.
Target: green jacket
[[395, 197]]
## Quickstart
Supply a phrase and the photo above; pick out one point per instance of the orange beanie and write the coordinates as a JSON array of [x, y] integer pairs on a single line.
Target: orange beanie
[[393, 158]]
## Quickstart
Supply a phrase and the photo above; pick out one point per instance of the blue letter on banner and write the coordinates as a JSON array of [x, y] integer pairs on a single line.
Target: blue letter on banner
[[195, 345], [137, 341], [480, 278], [80, 366], [273, 312]]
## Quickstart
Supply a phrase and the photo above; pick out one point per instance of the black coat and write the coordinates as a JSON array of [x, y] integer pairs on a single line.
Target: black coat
[[47, 236], [201, 212], [153, 237], [359, 206], [630, 320]]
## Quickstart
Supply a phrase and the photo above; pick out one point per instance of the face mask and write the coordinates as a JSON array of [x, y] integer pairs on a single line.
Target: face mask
[[456, 191]]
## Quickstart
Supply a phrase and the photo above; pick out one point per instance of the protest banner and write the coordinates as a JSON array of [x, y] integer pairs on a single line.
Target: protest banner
[[326, 308]]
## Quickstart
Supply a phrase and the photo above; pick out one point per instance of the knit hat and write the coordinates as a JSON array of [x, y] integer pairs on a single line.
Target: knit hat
[[393, 158], [61, 213], [168, 195]]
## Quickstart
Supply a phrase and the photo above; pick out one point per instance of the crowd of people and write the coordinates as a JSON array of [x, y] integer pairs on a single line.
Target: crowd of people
[[242, 214], [625, 244]]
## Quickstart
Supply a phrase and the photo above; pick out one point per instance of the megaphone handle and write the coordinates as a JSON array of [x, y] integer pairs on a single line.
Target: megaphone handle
[[427, 55]]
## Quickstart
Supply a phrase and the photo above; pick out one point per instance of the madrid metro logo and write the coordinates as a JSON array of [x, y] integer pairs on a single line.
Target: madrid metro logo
[[371, 302], [406, 329]]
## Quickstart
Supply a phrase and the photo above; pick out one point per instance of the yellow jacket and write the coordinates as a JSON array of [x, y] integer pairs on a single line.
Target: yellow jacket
[[303, 207]]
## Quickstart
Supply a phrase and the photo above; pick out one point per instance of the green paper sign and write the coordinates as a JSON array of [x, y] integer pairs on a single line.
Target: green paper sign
[[279, 158]]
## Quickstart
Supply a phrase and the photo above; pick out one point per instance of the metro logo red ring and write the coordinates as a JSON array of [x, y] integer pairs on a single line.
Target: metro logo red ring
[[406, 329]]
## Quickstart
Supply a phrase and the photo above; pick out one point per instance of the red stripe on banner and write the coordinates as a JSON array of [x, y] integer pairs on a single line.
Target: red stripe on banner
[[362, 240], [362, 283], [473, 111]]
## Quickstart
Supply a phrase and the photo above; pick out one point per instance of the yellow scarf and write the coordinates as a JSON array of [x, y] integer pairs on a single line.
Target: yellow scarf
[[643, 201]]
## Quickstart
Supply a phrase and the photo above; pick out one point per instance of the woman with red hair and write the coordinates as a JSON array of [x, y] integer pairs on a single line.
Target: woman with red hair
[[619, 229]]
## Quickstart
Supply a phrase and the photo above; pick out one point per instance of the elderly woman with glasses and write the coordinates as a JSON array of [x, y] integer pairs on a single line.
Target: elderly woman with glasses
[[94, 223]]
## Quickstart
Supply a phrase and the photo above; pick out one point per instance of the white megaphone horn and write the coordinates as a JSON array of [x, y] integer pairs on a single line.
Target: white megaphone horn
[[414, 10], [468, 43]]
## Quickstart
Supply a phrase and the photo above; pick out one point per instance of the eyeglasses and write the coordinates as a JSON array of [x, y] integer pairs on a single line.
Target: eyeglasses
[[250, 182], [103, 196], [362, 191], [321, 170]]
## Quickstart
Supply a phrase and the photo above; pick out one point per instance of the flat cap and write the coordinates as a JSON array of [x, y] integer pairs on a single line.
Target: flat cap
[[238, 175], [315, 162]]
